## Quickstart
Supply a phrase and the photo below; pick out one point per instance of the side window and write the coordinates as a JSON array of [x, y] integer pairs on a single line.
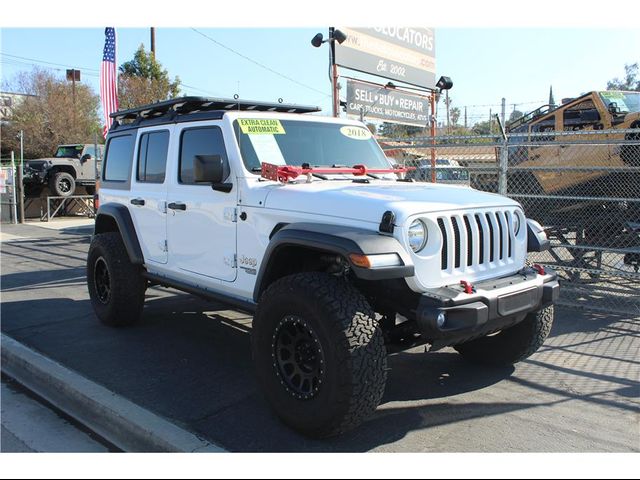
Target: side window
[[544, 126], [152, 157], [90, 150], [200, 141], [579, 116], [117, 164]]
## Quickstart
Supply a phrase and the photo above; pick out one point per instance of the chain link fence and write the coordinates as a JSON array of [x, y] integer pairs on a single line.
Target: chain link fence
[[582, 186]]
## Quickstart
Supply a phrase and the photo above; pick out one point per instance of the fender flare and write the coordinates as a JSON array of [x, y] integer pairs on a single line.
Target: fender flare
[[341, 240], [122, 217]]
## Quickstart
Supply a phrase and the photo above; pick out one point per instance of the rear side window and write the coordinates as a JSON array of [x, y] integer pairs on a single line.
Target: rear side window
[[152, 157], [117, 164], [200, 141]]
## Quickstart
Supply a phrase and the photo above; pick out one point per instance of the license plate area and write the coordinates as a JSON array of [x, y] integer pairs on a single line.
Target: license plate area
[[517, 302]]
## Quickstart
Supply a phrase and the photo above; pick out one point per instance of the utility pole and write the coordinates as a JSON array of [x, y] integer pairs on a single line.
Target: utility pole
[[153, 42], [20, 183], [73, 76], [334, 74], [504, 111], [490, 121], [465, 117], [448, 118]]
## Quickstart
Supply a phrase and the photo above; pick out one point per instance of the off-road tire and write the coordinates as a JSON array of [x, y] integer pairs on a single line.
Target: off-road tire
[[513, 344], [62, 184], [121, 304], [352, 349]]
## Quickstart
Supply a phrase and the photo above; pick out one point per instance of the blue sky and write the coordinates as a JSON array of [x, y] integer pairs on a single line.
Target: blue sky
[[485, 64]]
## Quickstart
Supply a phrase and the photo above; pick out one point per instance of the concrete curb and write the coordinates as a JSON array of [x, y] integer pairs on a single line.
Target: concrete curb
[[116, 419]]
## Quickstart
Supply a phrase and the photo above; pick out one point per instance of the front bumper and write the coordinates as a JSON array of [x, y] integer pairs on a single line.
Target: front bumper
[[31, 175], [494, 305]]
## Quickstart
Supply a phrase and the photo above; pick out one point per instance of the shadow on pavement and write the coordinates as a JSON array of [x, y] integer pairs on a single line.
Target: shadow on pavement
[[190, 361]]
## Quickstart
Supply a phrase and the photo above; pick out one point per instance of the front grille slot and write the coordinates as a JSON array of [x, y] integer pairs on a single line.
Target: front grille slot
[[501, 235], [456, 236], [491, 238], [469, 241], [445, 245], [481, 240]]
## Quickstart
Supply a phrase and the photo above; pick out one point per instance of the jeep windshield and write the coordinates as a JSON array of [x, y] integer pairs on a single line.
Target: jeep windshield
[[295, 142], [626, 102], [69, 151]]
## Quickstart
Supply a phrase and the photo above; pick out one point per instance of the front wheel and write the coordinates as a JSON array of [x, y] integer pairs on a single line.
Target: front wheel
[[319, 353], [513, 344], [62, 184]]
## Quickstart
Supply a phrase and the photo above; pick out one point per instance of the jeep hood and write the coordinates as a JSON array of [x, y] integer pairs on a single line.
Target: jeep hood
[[367, 202]]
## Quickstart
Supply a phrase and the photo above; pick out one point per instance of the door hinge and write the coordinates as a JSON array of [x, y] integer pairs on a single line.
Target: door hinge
[[164, 246], [231, 214]]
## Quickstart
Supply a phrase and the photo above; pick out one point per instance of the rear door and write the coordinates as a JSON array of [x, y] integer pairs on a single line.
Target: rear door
[[149, 185]]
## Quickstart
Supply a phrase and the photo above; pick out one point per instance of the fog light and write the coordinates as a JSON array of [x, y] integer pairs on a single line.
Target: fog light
[[442, 318]]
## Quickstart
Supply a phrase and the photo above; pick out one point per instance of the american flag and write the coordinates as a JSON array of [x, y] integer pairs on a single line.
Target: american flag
[[109, 78]]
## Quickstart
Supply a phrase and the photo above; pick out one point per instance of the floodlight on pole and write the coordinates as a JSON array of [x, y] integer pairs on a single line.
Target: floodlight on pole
[[335, 35]]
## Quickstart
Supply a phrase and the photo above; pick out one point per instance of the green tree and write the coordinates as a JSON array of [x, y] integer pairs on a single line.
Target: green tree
[[143, 80], [455, 116], [516, 114], [482, 128], [630, 82], [50, 116], [390, 130]]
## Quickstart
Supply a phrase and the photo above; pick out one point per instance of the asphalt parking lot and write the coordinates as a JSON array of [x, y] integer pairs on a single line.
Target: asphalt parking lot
[[190, 362]]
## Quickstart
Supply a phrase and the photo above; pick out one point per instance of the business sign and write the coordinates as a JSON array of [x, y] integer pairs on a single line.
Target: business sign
[[398, 53], [379, 103]]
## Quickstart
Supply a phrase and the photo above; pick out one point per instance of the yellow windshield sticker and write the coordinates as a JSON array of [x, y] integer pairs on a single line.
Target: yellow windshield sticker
[[261, 126], [357, 133]]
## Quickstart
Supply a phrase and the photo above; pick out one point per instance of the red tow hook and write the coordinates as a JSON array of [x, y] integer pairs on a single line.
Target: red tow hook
[[539, 269], [468, 288]]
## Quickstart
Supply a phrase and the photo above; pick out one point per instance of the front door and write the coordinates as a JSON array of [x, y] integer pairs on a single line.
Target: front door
[[201, 221]]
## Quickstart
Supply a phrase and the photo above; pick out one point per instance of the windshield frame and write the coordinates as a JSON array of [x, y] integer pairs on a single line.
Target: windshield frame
[[69, 148], [631, 107]]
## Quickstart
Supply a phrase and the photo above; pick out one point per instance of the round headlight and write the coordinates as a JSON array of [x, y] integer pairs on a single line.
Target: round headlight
[[516, 223], [417, 235]]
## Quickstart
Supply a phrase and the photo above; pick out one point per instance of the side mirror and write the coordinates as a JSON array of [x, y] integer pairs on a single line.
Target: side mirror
[[85, 157], [210, 169], [614, 108]]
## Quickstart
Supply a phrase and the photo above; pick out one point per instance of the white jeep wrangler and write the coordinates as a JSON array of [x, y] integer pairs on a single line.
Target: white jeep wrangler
[[299, 220]]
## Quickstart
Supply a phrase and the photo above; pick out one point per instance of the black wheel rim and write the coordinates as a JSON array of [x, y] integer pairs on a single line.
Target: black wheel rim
[[64, 185], [298, 358], [102, 280]]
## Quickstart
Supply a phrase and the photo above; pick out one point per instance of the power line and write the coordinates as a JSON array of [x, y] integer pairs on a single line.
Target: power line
[[259, 64], [50, 63]]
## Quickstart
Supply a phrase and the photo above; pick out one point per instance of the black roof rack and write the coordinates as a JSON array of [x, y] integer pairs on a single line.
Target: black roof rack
[[184, 105]]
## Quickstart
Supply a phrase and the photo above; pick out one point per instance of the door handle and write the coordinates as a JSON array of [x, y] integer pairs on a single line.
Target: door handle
[[177, 206], [137, 201]]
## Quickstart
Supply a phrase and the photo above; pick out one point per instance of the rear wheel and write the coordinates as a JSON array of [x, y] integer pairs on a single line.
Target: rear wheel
[[116, 286], [319, 354], [513, 344]]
